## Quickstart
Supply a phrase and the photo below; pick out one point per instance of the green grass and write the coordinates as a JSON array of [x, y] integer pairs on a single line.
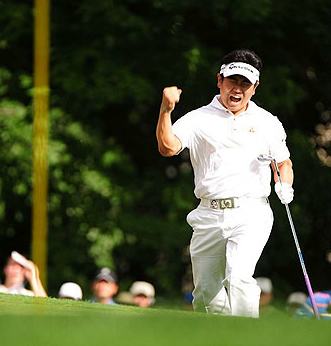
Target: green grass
[[47, 321]]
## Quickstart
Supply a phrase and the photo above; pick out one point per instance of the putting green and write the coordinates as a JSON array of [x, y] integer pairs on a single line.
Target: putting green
[[52, 322]]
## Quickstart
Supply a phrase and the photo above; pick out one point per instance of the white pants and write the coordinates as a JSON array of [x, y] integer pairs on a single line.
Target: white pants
[[225, 247]]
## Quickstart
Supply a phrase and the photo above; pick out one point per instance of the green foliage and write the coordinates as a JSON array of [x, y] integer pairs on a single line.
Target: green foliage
[[84, 197], [97, 204], [290, 92], [113, 200], [15, 154]]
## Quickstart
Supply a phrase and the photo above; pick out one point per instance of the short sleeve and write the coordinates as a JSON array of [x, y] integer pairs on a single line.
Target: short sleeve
[[183, 129], [278, 147]]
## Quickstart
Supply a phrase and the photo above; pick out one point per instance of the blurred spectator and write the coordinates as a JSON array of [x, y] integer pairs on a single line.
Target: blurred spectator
[[70, 290], [323, 302], [17, 271], [266, 296], [105, 287], [187, 289], [187, 279], [295, 301], [143, 294]]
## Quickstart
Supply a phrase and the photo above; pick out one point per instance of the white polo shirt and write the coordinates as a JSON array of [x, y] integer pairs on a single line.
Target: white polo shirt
[[224, 149]]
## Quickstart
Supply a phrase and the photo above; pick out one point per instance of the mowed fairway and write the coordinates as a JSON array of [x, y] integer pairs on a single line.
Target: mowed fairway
[[46, 322]]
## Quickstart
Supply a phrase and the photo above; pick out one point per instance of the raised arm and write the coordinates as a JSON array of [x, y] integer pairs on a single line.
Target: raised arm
[[32, 275], [168, 143]]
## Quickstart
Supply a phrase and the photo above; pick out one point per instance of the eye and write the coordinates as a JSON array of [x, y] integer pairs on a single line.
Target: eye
[[246, 84], [232, 80]]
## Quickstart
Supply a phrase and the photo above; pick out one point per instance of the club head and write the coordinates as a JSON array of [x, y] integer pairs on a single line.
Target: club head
[[265, 158]]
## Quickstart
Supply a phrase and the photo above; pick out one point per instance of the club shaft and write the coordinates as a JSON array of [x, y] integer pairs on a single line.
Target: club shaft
[[302, 263], [304, 270]]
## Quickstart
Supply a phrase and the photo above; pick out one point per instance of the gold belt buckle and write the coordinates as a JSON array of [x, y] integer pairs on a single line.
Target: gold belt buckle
[[224, 203]]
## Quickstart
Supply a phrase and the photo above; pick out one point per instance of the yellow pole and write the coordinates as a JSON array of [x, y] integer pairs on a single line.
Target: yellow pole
[[40, 137]]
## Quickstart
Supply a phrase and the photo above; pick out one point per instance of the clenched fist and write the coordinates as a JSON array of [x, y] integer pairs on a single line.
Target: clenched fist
[[284, 192], [170, 97]]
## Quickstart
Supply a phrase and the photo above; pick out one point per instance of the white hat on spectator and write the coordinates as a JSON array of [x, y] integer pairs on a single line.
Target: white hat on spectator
[[265, 284], [142, 288], [70, 290], [296, 298]]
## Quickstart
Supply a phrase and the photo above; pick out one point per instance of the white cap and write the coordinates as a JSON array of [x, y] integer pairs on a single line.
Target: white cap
[[71, 290], [144, 288], [241, 68], [21, 260], [297, 298], [265, 284]]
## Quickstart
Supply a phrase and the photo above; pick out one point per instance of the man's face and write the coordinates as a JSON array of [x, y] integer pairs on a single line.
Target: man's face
[[104, 289], [14, 272], [235, 91], [142, 301]]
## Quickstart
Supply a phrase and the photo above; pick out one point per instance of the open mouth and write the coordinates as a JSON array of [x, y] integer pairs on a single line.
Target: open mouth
[[235, 98]]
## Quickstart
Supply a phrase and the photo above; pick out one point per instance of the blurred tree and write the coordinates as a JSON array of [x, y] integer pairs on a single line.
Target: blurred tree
[[86, 192]]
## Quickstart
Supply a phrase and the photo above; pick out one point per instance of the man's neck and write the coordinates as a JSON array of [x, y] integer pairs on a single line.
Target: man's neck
[[104, 300]]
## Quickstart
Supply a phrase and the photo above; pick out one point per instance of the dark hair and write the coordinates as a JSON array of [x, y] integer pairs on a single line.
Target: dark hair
[[243, 55]]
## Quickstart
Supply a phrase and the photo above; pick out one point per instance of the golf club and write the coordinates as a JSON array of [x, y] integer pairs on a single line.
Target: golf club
[[265, 158]]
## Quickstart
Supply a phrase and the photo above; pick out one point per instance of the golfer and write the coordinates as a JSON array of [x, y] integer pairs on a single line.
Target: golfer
[[233, 220]]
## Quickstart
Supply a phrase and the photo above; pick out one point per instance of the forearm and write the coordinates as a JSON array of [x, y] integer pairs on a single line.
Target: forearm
[[286, 172], [39, 290], [168, 143], [35, 283]]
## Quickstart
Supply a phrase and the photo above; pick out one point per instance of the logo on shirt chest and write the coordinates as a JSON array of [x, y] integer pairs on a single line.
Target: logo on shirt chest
[[245, 136]]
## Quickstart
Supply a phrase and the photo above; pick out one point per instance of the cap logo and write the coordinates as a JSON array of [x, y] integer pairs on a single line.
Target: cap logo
[[246, 67], [241, 68]]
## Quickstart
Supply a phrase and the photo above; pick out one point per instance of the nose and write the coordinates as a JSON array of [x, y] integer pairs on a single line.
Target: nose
[[237, 86]]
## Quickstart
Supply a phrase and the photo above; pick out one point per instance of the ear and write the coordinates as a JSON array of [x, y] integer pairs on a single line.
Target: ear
[[220, 79], [255, 86]]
